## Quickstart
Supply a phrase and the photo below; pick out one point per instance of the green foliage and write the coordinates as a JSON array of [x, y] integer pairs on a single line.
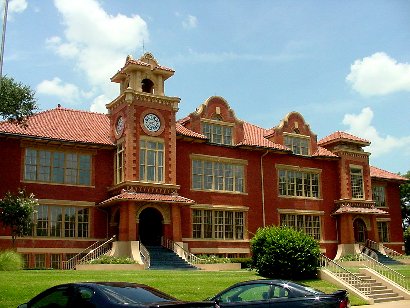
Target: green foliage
[[245, 262], [407, 241], [282, 252], [16, 212], [212, 259], [112, 260], [10, 261], [405, 201], [17, 101]]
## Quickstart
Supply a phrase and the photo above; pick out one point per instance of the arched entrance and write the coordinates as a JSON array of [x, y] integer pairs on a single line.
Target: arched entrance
[[360, 230], [150, 227]]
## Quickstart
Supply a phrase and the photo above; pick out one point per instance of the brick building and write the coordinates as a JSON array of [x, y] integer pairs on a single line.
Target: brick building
[[207, 181]]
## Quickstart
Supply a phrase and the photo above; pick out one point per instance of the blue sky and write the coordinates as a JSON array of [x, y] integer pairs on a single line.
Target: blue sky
[[344, 65]]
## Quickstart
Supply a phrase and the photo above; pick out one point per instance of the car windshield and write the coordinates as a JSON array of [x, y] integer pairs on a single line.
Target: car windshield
[[133, 295]]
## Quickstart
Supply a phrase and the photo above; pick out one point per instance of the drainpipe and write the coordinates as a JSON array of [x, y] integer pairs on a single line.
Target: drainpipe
[[263, 190]]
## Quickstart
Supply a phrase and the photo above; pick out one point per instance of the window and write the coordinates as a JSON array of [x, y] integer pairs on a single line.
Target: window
[[379, 195], [119, 164], [310, 224], [56, 221], [57, 167], [55, 261], [221, 176], [218, 133], [218, 224], [298, 144], [151, 160], [383, 229], [40, 261], [294, 183], [356, 180]]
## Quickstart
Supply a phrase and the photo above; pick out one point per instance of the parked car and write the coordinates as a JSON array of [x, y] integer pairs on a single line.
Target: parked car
[[278, 293], [106, 294]]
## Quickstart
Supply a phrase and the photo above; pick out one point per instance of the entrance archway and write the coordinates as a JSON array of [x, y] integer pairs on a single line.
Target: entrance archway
[[150, 227], [360, 230]]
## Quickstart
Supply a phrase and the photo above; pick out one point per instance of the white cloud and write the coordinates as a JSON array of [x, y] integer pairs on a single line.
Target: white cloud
[[98, 43], [190, 22], [98, 105], [66, 92], [17, 6], [379, 74], [361, 125]]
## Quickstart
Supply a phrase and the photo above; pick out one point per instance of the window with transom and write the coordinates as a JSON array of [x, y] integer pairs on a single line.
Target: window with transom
[[151, 160], [298, 183], [310, 224], [383, 229], [219, 133], [218, 224], [298, 144], [379, 195], [217, 175], [119, 164], [57, 167], [356, 182]]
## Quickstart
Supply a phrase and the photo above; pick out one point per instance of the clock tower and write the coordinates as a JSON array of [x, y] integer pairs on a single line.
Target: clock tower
[[144, 204]]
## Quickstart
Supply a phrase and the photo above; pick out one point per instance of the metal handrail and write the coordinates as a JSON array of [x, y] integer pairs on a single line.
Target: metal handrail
[[352, 279], [181, 251], [385, 271], [69, 264], [97, 252], [145, 257], [392, 253], [372, 244]]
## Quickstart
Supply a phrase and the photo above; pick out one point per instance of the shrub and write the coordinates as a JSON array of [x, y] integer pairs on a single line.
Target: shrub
[[212, 259], [112, 260], [282, 252], [407, 241], [10, 261]]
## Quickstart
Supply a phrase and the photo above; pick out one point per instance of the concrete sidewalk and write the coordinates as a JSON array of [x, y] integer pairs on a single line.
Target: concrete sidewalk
[[393, 304]]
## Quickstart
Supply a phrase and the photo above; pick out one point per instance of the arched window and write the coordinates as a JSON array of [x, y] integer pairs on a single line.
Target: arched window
[[147, 86]]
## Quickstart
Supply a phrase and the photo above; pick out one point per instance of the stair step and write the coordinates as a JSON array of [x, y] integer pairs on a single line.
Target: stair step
[[388, 299], [164, 259]]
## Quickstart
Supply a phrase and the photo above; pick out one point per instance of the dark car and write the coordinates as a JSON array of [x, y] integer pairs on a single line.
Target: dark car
[[278, 293], [106, 294]]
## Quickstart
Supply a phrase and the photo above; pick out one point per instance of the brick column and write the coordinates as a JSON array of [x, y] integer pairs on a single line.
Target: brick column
[[176, 223], [128, 225]]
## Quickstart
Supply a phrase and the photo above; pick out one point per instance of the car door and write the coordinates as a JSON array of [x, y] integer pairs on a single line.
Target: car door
[[251, 295], [57, 297]]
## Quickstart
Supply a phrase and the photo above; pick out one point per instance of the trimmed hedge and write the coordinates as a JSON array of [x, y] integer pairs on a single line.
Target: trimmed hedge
[[284, 253]]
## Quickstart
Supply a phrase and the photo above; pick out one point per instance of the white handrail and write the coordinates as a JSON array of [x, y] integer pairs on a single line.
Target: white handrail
[[181, 251], [69, 264], [145, 257], [352, 279], [97, 252]]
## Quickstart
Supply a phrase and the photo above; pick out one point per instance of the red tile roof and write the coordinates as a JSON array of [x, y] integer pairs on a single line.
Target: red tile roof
[[383, 174], [142, 63], [359, 210], [134, 196], [254, 136], [322, 152], [182, 130], [342, 136], [65, 125]]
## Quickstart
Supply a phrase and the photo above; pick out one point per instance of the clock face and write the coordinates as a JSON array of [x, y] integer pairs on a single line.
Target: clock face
[[119, 126], [152, 122]]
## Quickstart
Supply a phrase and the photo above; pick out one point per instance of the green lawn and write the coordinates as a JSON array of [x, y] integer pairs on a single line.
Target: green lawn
[[17, 287]]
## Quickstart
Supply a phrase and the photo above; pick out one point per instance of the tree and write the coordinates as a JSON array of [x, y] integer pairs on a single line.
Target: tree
[[17, 101], [16, 212], [282, 252], [405, 201]]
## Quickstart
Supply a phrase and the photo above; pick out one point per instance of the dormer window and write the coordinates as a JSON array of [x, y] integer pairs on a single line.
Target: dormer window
[[147, 86], [217, 132], [297, 143]]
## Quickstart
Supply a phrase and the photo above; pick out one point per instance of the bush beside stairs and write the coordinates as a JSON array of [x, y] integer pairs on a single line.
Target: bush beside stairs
[[162, 258]]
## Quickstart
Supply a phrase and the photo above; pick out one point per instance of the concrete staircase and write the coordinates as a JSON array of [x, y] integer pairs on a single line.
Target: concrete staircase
[[380, 293], [162, 258]]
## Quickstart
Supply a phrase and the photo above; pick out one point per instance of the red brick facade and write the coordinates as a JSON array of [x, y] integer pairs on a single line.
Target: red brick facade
[[208, 181]]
